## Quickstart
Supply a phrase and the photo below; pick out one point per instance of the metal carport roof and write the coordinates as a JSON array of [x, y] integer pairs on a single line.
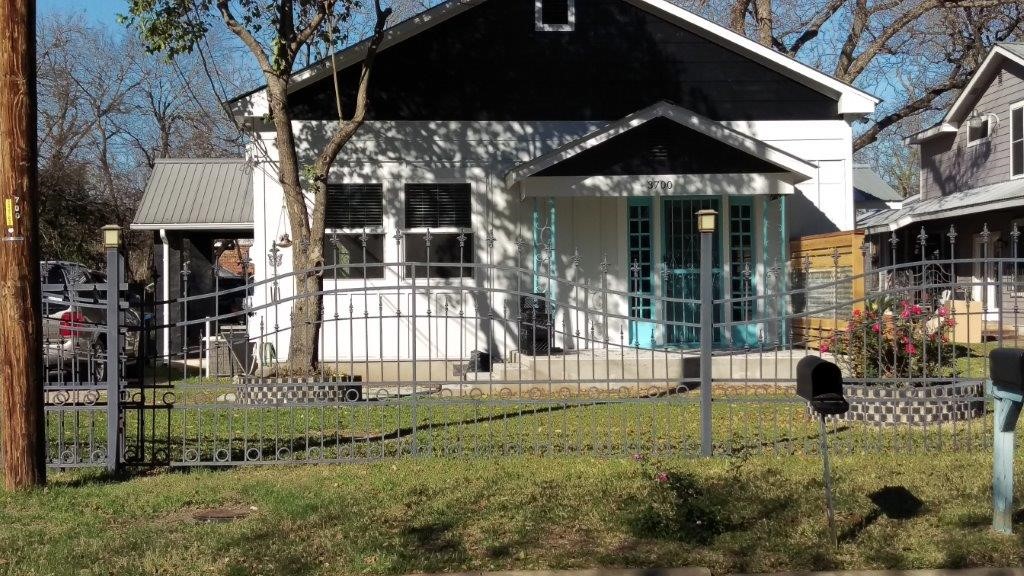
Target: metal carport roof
[[197, 194]]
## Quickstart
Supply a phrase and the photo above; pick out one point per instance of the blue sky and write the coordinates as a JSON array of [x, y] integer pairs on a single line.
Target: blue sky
[[97, 11]]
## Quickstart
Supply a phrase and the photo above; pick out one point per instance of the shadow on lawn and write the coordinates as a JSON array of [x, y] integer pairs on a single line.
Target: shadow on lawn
[[893, 502]]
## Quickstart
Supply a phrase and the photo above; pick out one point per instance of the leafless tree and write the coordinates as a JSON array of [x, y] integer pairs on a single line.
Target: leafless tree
[[107, 109], [913, 53]]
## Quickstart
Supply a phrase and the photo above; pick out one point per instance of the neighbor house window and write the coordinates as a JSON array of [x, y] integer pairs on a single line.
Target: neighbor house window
[[442, 213], [354, 242], [977, 130], [555, 15], [1017, 140]]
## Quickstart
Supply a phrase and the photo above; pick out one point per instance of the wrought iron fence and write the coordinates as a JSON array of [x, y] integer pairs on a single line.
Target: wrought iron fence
[[478, 355]]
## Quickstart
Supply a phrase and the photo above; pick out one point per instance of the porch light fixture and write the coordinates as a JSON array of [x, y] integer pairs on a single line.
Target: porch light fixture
[[706, 220], [111, 236]]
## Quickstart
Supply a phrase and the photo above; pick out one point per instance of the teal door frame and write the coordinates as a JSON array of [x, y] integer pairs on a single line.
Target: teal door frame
[[742, 271], [640, 249]]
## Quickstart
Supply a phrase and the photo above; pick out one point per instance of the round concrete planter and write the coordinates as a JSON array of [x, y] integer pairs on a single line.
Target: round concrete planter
[[914, 406]]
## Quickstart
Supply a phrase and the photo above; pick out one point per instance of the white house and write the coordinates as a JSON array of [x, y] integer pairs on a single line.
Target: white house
[[559, 147]]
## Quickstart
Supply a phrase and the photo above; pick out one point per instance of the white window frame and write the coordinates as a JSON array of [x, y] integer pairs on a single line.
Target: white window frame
[[370, 230], [1013, 107], [544, 27], [988, 131], [459, 281]]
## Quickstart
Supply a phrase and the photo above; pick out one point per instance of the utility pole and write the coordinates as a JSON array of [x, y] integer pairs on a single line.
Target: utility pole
[[22, 447]]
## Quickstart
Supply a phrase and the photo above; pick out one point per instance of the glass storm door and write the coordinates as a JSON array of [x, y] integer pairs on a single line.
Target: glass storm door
[[641, 260], [681, 257]]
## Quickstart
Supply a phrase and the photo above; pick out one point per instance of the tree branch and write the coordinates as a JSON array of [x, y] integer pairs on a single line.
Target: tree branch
[[813, 27], [304, 35], [223, 6], [348, 129], [923, 103]]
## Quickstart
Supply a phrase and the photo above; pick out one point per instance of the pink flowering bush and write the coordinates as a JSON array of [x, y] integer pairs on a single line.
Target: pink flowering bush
[[894, 342]]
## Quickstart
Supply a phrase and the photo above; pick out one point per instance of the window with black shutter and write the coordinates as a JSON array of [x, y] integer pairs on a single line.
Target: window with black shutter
[[354, 222], [443, 214], [555, 15]]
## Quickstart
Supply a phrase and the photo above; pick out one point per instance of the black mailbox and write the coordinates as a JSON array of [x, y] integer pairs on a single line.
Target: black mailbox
[[1006, 367], [820, 382]]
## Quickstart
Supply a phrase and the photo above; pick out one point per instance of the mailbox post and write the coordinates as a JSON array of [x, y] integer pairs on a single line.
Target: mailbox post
[[820, 382], [1006, 369]]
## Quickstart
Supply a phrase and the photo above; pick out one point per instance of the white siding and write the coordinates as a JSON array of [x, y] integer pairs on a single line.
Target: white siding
[[394, 153]]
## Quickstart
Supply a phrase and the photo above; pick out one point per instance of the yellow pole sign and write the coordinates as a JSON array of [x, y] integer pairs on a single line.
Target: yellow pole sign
[[9, 212]]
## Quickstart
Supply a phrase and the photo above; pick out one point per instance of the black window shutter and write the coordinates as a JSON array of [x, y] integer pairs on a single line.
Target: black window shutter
[[355, 205], [438, 206]]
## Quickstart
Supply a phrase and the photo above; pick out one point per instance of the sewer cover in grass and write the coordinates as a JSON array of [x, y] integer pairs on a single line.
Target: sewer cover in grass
[[220, 514]]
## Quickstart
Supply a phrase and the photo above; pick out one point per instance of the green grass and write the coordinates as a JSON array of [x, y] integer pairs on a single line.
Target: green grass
[[410, 515]]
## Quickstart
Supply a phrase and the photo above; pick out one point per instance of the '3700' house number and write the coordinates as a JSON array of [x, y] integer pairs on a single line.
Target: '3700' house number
[[660, 185]]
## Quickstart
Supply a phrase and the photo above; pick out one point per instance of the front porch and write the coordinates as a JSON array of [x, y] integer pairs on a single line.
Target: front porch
[[632, 190]]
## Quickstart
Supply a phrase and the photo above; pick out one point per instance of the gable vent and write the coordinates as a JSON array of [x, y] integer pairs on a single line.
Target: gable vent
[[659, 153], [555, 15]]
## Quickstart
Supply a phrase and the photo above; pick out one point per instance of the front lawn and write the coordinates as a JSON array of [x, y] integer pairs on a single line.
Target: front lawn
[[409, 515]]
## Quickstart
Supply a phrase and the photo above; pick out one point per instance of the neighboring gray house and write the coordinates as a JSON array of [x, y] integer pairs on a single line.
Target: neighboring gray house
[[871, 193], [196, 209], [972, 176]]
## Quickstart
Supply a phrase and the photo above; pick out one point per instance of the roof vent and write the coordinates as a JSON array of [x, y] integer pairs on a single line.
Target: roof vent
[[555, 15]]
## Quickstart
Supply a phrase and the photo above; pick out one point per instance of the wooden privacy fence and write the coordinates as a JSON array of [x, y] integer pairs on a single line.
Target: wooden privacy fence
[[827, 273]]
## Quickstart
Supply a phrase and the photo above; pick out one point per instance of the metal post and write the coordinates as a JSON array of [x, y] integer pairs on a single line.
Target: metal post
[[1007, 410], [707, 322], [412, 351], [209, 347], [111, 242], [827, 476]]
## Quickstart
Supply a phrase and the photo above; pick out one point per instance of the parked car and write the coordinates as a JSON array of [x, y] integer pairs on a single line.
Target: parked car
[[74, 323]]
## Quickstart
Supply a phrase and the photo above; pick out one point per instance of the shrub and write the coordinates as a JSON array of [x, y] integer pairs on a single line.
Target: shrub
[[891, 342]]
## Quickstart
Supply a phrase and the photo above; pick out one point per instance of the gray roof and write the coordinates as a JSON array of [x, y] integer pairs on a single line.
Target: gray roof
[[1015, 47], [867, 182], [197, 194], [1009, 194]]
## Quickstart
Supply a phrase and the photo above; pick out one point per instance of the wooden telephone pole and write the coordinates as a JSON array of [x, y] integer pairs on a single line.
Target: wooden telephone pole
[[22, 447]]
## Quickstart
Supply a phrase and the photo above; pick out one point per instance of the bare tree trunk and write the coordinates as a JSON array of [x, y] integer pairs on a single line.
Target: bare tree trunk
[[306, 317], [307, 251], [21, 388], [307, 228]]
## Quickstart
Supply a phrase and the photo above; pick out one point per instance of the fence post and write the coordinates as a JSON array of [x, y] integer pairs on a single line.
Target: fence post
[[706, 220], [112, 247]]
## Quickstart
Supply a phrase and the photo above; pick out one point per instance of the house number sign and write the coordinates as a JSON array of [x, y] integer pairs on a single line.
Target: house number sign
[[662, 185], [12, 214]]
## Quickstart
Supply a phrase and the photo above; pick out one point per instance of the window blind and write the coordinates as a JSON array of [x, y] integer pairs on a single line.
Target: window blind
[[355, 205], [437, 206]]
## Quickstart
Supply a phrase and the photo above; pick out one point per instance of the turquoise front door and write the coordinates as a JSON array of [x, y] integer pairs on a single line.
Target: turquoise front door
[[681, 256], [641, 285]]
